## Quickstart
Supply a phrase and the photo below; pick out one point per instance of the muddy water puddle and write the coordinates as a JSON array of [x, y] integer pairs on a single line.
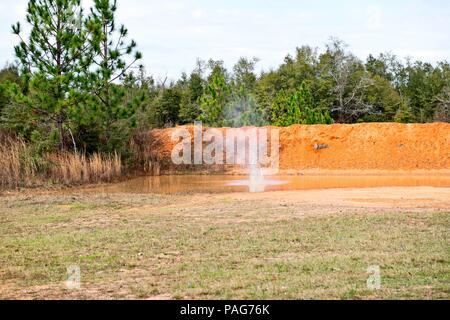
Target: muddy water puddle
[[227, 183]]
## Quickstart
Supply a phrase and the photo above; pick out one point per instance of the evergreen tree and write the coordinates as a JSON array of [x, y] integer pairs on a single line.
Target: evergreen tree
[[285, 111], [244, 74], [53, 60], [214, 100], [298, 108], [190, 106], [167, 107], [404, 114], [243, 110], [9, 74], [111, 54], [384, 99]]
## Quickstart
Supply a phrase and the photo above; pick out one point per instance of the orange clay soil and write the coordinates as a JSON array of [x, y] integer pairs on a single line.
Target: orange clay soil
[[368, 147]]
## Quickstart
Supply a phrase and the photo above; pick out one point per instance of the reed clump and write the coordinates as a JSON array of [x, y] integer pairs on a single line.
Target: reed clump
[[16, 167], [21, 167], [77, 168]]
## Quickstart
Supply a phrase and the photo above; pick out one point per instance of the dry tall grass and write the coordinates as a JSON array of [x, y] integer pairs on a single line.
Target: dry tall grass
[[19, 168], [76, 168], [15, 167]]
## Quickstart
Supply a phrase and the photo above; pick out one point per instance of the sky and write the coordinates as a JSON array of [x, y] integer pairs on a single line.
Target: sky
[[172, 34]]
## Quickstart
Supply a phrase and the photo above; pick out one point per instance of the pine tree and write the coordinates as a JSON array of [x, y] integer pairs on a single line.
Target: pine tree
[[189, 106], [404, 114], [310, 114], [54, 60], [243, 110], [8, 75], [214, 100], [297, 108], [285, 111], [114, 58]]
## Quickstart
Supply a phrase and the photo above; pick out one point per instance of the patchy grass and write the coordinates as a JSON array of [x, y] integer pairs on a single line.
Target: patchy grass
[[200, 247]]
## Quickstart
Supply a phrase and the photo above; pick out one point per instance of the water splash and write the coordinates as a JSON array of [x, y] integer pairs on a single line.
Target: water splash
[[256, 181]]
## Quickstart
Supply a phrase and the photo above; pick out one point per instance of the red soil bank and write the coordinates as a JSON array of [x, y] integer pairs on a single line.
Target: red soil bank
[[368, 146]]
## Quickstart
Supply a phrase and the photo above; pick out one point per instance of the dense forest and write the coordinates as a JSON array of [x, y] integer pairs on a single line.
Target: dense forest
[[78, 85]]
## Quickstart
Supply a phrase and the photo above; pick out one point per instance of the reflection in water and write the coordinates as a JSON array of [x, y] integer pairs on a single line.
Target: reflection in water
[[226, 183]]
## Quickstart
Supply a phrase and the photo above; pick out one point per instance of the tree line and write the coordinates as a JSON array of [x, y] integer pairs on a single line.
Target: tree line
[[78, 85]]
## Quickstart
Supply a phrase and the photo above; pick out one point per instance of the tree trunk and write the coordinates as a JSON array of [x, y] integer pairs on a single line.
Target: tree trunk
[[61, 133]]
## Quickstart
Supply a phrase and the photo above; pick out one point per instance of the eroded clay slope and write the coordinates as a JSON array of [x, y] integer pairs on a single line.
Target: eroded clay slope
[[368, 146]]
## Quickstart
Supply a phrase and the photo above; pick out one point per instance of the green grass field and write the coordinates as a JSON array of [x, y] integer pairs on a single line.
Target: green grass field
[[217, 246]]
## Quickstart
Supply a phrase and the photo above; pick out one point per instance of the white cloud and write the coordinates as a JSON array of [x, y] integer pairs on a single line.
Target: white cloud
[[19, 9], [374, 17], [197, 13], [173, 33]]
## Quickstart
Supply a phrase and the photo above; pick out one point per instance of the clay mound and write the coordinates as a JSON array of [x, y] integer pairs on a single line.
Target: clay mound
[[368, 146], [376, 146]]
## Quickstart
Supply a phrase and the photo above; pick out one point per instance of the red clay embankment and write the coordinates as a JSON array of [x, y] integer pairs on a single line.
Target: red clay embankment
[[368, 147]]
